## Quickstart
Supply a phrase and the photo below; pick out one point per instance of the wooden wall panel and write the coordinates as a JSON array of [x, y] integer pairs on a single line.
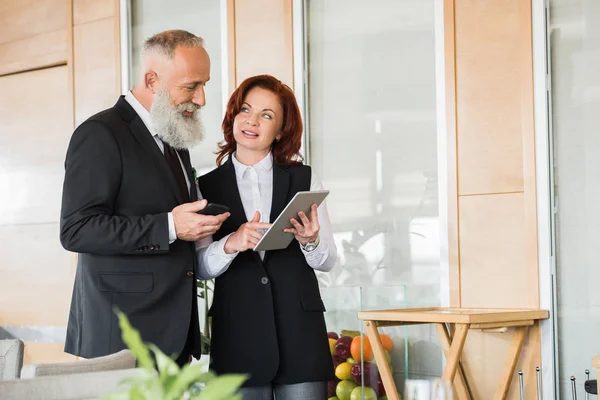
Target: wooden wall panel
[[35, 133], [494, 269], [484, 356], [92, 10], [45, 352], [42, 51], [33, 34], [96, 68], [35, 272], [36, 276], [495, 153], [490, 73], [25, 19], [264, 39]]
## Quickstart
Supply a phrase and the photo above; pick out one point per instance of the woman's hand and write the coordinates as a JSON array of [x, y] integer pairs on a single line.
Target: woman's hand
[[247, 235], [308, 230]]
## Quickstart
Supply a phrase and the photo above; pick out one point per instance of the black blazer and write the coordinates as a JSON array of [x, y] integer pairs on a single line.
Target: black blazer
[[117, 192], [267, 316]]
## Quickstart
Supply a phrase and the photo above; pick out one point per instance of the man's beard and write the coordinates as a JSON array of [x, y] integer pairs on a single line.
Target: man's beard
[[171, 126]]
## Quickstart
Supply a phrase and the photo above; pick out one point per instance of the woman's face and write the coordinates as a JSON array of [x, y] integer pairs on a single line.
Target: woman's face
[[259, 121]]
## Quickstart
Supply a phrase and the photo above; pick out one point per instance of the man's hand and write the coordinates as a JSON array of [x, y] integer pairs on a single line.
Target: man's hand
[[247, 235], [191, 226]]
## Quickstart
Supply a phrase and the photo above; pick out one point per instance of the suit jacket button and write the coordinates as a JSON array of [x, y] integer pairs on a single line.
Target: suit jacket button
[[264, 280], [151, 247], [190, 273]]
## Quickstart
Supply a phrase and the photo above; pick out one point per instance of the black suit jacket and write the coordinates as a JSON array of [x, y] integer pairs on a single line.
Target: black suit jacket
[[267, 315], [117, 192]]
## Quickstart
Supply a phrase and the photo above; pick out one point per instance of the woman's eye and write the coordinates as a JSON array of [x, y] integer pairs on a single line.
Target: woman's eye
[[244, 109], [267, 116]]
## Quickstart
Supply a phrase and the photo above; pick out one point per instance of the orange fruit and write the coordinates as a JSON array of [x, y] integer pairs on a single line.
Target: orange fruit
[[355, 349], [387, 342]]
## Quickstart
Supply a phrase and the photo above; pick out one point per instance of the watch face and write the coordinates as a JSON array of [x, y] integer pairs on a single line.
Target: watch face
[[309, 247]]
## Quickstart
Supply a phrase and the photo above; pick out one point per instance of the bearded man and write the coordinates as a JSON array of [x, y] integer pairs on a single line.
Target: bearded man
[[130, 203]]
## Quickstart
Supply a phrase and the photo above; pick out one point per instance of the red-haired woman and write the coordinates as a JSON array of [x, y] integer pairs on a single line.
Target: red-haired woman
[[267, 312]]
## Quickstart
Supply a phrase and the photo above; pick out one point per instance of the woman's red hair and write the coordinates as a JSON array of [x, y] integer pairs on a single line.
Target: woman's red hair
[[286, 151]]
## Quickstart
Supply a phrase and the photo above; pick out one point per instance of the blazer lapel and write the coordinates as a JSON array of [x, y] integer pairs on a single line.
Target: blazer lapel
[[281, 187], [232, 193]]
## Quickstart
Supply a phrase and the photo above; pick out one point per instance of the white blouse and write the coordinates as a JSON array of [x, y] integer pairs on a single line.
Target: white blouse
[[255, 184]]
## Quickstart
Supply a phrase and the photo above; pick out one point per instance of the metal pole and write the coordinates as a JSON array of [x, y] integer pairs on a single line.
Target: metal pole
[[540, 390], [522, 390]]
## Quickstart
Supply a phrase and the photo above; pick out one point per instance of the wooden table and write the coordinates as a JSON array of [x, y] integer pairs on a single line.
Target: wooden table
[[453, 325], [596, 364]]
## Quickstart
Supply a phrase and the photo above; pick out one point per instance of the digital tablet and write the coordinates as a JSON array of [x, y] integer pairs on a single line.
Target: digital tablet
[[275, 238]]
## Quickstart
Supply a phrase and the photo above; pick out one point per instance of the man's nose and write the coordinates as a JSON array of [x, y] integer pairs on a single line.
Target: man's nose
[[199, 97]]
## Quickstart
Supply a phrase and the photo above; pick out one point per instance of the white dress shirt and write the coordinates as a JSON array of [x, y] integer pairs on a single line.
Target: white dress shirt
[[145, 116], [255, 184]]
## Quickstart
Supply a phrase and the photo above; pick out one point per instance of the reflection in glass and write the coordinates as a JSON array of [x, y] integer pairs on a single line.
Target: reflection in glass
[[575, 61], [373, 143]]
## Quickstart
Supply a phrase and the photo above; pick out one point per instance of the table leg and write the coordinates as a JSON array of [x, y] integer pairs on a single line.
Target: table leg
[[453, 357], [511, 362], [460, 382], [382, 364]]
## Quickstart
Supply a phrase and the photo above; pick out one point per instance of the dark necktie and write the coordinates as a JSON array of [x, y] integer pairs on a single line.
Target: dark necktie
[[175, 165]]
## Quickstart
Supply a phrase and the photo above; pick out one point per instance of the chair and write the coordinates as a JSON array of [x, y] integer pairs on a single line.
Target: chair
[[89, 385], [124, 359], [11, 358]]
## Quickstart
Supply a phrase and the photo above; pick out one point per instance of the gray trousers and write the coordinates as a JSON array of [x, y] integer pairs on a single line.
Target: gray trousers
[[297, 391]]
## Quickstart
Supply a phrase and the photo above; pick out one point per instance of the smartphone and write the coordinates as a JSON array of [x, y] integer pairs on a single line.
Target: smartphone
[[214, 209]]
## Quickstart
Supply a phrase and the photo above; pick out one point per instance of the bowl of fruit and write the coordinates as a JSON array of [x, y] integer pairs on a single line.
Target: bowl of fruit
[[355, 366]]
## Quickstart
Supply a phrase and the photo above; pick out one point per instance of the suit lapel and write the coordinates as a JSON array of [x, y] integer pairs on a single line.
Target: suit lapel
[[185, 158], [144, 137]]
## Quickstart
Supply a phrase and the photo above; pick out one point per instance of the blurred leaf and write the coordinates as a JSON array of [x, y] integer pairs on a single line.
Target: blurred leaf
[[122, 395], [189, 375], [166, 366], [222, 387], [171, 382], [133, 340]]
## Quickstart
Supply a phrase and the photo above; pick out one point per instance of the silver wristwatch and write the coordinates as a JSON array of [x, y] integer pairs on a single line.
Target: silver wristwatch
[[310, 246]]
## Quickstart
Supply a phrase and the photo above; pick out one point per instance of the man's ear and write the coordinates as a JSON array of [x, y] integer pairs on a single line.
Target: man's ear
[[151, 81]]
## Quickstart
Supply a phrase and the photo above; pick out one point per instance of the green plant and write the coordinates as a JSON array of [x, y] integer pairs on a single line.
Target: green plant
[[164, 380], [204, 287]]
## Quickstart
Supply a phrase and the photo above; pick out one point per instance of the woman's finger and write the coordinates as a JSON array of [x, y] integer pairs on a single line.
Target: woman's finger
[[304, 219]]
